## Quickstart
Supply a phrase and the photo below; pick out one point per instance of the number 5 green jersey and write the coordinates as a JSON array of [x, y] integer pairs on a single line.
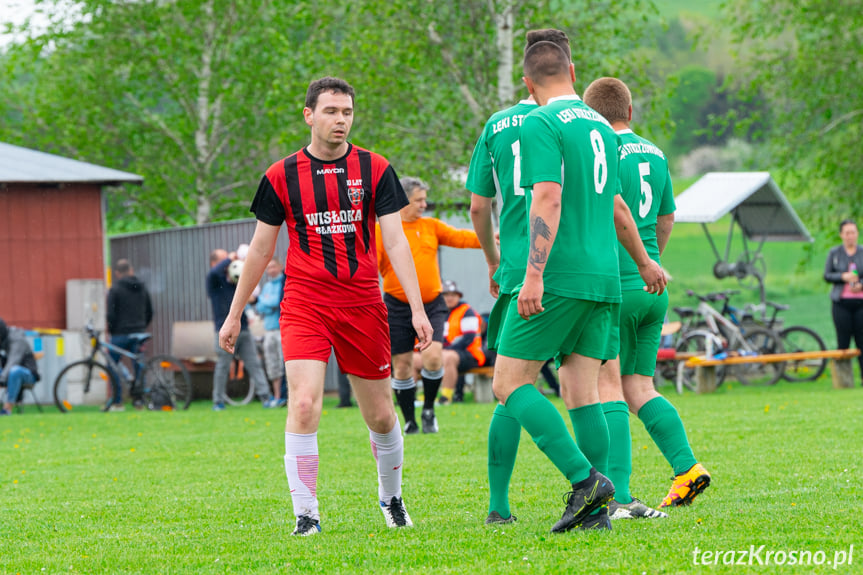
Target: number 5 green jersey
[[569, 143], [646, 188], [494, 168]]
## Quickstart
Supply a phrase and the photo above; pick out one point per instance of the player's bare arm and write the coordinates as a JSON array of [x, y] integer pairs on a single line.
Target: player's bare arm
[[399, 252], [627, 235], [663, 230], [544, 220], [480, 215], [260, 253]]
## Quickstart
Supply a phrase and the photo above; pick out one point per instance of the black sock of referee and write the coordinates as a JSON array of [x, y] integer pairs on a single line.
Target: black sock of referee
[[431, 384], [406, 395]]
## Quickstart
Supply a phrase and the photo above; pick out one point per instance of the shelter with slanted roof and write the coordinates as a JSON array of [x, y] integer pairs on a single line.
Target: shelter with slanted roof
[[52, 229], [757, 207]]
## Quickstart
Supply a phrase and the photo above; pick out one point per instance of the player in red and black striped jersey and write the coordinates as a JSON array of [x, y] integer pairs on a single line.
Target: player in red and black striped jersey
[[328, 194]]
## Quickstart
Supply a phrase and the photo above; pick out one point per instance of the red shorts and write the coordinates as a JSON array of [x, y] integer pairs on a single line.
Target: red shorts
[[359, 336]]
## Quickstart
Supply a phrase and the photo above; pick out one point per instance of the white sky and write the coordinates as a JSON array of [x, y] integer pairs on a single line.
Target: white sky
[[15, 11]]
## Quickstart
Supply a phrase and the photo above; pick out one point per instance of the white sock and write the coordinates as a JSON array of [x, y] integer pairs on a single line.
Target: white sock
[[388, 449], [301, 467]]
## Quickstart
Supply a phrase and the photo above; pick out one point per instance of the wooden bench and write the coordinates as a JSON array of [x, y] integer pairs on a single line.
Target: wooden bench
[[482, 378], [194, 343], [841, 368]]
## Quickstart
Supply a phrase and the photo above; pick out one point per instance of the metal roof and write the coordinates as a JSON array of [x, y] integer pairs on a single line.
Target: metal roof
[[21, 165], [758, 205]]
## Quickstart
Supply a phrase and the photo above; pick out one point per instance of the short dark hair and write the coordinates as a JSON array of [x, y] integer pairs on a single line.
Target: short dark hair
[[610, 97], [845, 222], [545, 60], [327, 84], [549, 35], [122, 267]]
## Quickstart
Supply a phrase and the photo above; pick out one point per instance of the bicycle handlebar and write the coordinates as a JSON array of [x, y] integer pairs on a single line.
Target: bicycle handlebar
[[713, 296], [92, 331]]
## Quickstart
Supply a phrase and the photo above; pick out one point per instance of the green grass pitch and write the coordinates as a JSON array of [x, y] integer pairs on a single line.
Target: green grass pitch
[[205, 492]]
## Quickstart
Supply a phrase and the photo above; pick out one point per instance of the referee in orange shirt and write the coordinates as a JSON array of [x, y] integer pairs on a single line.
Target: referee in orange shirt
[[424, 236]]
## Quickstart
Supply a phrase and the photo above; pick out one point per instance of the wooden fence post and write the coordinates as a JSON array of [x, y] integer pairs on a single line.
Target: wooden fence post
[[843, 373]]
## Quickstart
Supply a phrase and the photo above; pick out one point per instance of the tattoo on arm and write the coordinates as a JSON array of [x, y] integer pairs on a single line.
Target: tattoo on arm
[[538, 255]]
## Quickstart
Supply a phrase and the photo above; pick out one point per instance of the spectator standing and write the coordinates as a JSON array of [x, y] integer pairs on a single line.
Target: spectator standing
[[221, 292], [424, 235], [463, 340], [129, 312], [17, 362], [843, 268], [269, 307]]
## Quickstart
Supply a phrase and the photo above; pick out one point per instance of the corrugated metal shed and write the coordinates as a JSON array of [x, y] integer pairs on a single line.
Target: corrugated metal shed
[[20, 165], [760, 208], [173, 263]]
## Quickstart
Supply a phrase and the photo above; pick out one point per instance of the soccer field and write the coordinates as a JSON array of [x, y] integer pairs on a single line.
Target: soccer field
[[205, 492]]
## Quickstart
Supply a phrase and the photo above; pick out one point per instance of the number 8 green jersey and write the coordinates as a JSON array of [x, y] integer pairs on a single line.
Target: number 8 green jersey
[[569, 143], [646, 189], [494, 168]]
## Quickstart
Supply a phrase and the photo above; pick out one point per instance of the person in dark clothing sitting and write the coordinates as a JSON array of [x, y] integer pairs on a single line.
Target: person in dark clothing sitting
[[129, 311], [17, 362]]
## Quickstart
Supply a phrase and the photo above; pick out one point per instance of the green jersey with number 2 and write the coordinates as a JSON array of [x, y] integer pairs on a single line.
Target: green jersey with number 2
[[646, 188], [569, 143], [494, 169]]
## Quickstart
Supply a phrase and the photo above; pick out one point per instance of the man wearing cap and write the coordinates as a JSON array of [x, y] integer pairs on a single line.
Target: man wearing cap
[[462, 340]]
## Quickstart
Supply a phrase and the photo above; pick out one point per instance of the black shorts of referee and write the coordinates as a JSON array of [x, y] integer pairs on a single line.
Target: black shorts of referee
[[402, 334], [466, 360]]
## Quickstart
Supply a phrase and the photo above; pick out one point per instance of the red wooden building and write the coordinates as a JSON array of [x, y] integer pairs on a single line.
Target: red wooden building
[[52, 229]]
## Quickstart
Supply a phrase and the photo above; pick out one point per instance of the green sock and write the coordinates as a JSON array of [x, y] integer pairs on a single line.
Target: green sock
[[619, 448], [545, 425], [591, 434], [665, 427], [504, 434]]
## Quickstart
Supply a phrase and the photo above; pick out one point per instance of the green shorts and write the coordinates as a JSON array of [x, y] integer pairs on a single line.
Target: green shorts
[[495, 320], [566, 326], [641, 318]]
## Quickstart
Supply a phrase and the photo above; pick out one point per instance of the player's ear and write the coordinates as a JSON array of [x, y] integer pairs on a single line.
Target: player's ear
[[572, 72], [307, 115], [530, 86], [630, 113]]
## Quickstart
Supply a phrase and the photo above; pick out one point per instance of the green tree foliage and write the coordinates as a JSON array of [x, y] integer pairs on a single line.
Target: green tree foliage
[[693, 91], [707, 109], [427, 85], [178, 92], [805, 57], [200, 96]]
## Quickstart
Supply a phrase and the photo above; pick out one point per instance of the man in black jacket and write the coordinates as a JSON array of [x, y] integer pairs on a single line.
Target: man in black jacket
[[129, 311], [18, 364]]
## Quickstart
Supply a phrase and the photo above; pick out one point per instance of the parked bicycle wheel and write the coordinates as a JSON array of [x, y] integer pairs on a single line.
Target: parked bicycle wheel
[[82, 383], [696, 341], [798, 338], [167, 382], [761, 341], [240, 390]]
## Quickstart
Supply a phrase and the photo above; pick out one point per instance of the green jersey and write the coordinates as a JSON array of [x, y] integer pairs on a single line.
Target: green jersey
[[494, 169], [569, 143], [646, 188]]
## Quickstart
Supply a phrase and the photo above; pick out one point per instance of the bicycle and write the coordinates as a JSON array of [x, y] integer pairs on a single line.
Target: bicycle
[[795, 338], [88, 381], [711, 333]]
